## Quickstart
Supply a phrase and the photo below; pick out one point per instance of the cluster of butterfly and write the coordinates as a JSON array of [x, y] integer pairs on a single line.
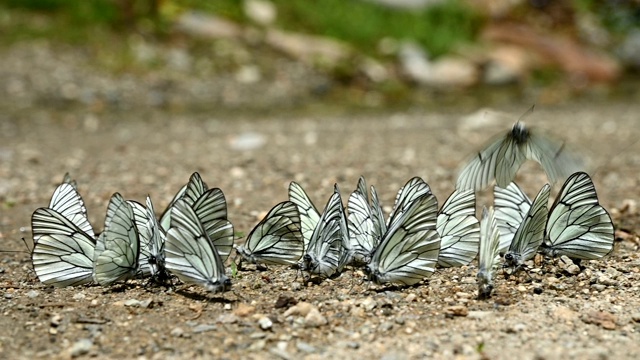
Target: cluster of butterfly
[[193, 237]]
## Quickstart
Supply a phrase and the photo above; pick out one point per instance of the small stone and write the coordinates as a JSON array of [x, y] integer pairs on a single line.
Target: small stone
[[305, 347], [302, 309], [573, 269], [463, 295], [265, 323], [456, 310], [80, 347], [203, 328], [244, 310], [56, 319], [32, 294], [79, 296], [315, 319], [285, 301], [177, 332], [262, 12], [8, 296], [477, 314], [599, 287], [146, 304], [636, 317], [411, 297], [519, 327], [606, 280], [385, 326], [132, 303], [368, 304], [295, 286], [564, 313], [603, 319], [227, 319]]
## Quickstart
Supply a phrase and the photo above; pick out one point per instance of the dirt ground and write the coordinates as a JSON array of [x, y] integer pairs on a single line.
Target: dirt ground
[[549, 315]]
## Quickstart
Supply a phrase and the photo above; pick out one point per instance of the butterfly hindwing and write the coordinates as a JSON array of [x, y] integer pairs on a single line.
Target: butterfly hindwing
[[459, 229]]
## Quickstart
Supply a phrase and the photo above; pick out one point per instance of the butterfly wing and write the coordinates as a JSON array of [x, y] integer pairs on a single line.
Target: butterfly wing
[[63, 254], [379, 224], [190, 192], [211, 209], [67, 202], [120, 258], [556, 161], [578, 225], [511, 206], [459, 229], [489, 254], [189, 252], [362, 237], [277, 239], [309, 215], [413, 189], [409, 250], [530, 234]]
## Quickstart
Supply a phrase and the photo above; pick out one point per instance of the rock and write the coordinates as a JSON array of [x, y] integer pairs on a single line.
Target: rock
[[505, 65], [629, 206], [519, 327], [177, 332], [285, 301], [244, 310], [411, 297], [305, 347], [146, 304], [456, 310], [80, 347], [309, 49], [599, 287], [207, 25], [368, 303], [603, 319], [573, 269], [477, 314], [260, 11], [302, 309], [445, 72], [227, 319], [636, 317], [265, 323], [79, 296], [56, 320], [564, 313], [315, 319], [203, 328], [607, 281], [385, 326], [32, 294], [132, 303]]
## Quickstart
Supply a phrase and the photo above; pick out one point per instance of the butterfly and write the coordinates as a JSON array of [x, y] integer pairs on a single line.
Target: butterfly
[[277, 239], [63, 253], [501, 159], [530, 233], [152, 239], [578, 226], [209, 205], [326, 254], [67, 202], [190, 251], [511, 206], [365, 222], [408, 252], [117, 255], [459, 229], [309, 215], [413, 189], [489, 255]]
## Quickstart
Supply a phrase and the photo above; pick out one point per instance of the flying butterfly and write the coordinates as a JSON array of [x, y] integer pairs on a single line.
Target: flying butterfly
[[489, 255], [63, 253], [190, 253], [530, 234], [119, 254], [501, 159], [326, 253], [408, 252], [578, 226], [459, 229], [511, 206], [277, 239]]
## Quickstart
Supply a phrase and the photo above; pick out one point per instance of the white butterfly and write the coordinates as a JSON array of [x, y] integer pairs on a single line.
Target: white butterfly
[[326, 253], [191, 192], [489, 255], [511, 206], [67, 202], [190, 252], [277, 239], [309, 215], [578, 226], [459, 229], [530, 234], [409, 249], [365, 229], [119, 244], [502, 158], [63, 254], [413, 189], [152, 239]]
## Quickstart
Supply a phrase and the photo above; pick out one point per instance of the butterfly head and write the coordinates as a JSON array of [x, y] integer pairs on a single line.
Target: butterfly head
[[485, 285], [519, 133], [218, 286]]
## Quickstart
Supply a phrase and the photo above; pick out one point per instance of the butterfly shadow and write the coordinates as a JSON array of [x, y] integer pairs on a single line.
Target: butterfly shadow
[[210, 298]]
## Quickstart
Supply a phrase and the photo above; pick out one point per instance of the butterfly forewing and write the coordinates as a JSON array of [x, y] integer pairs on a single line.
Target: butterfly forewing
[[362, 237], [277, 239], [309, 215], [511, 206], [578, 225], [413, 189], [189, 252], [67, 202], [63, 254], [459, 229], [211, 209]]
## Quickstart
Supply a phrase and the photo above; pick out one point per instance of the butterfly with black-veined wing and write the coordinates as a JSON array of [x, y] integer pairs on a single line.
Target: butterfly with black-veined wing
[[365, 223], [501, 159], [488, 255], [511, 207], [277, 239], [578, 226], [413, 189], [459, 229], [309, 215], [191, 192], [325, 255], [408, 252], [530, 233], [190, 253], [119, 255], [63, 254]]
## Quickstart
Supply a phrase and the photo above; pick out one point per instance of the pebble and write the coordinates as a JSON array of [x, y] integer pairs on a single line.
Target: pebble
[[636, 317], [519, 327], [177, 332], [607, 281], [456, 310], [265, 323], [132, 303], [368, 304], [411, 297], [305, 347], [385, 326], [315, 319], [599, 287], [603, 319], [573, 269], [477, 314], [79, 296], [80, 347], [203, 328], [302, 308], [56, 319], [244, 310], [32, 294], [146, 304]]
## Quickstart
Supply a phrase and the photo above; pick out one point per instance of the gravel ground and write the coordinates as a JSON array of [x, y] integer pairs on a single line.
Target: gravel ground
[[274, 314]]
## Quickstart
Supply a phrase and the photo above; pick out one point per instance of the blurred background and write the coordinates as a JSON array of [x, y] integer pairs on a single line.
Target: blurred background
[[276, 55]]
